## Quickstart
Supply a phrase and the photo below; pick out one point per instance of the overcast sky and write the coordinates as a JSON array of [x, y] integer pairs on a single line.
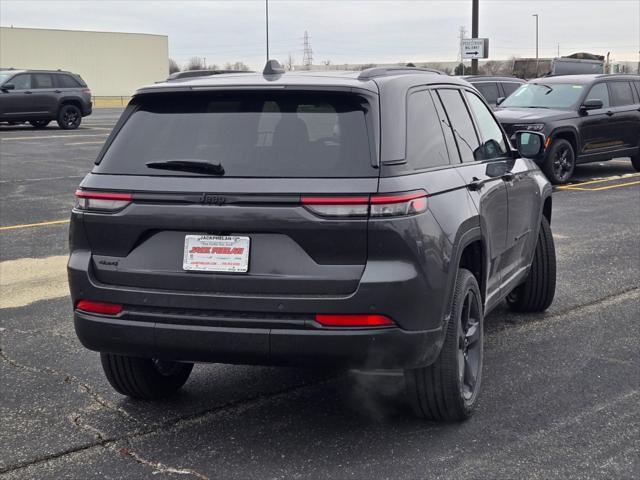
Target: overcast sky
[[348, 31]]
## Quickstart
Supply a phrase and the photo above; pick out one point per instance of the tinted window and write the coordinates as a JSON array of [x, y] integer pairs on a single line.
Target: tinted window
[[637, 84], [489, 91], [461, 124], [67, 81], [545, 95], [425, 141], [22, 82], [621, 93], [43, 80], [454, 156], [493, 143], [599, 92], [510, 87], [249, 134]]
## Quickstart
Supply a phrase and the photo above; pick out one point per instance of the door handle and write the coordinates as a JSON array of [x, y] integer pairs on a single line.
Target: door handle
[[28, 92], [57, 91], [609, 113], [475, 184]]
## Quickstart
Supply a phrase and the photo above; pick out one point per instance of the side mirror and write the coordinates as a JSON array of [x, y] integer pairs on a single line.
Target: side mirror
[[8, 86], [500, 100], [529, 144], [591, 105]]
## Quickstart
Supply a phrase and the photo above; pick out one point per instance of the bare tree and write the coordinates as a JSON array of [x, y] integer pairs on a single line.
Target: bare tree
[[173, 66], [289, 63], [240, 66], [195, 63]]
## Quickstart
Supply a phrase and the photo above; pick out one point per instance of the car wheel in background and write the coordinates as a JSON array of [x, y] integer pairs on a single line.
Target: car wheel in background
[[69, 117], [144, 378], [447, 390], [538, 290], [560, 162], [39, 123]]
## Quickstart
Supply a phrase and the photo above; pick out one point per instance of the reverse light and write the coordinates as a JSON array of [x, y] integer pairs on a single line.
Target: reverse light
[[102, 201], [354, 321], [99, 307], [385, 205]]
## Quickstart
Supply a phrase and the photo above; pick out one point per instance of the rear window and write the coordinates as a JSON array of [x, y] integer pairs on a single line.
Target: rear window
[[251, 134], [67, 81]]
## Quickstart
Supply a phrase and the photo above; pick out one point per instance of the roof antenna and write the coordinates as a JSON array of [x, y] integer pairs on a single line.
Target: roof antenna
[[410, 64], [273, 67]]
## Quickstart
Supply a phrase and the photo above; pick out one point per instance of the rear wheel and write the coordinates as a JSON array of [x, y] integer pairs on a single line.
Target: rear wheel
[[538, 290], [69, 117], [39, 123], [635, 161], [448, 389], [144, 378], [560, 162]]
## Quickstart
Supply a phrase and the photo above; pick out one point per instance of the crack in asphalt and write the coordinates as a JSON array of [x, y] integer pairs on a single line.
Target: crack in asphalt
[[103, 440]]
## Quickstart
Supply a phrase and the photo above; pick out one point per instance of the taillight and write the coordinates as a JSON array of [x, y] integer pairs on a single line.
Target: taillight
[[354, 320], [102, 201], [86, 90], [99, 307], [384, 205]]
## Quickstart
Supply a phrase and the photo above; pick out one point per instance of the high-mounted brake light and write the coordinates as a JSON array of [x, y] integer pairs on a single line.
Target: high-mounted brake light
[[354, 320], [384, 205], [99, 307], [103, 201]]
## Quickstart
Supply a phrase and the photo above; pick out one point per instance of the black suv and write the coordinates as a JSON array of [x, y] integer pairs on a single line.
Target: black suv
[[494, 89], [39, 96], [585, 118], [363, 219]]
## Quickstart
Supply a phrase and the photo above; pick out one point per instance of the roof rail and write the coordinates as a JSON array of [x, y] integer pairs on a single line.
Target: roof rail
[[370, 73]]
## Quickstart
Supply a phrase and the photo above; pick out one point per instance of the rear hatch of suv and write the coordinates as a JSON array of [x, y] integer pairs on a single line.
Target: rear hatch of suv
[[261, 192]]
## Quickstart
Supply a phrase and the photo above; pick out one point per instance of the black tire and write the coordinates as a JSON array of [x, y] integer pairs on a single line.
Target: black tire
[[635, 161], [448, 389], [69, 117], [144, 378], [560, 162], [39, 123], [538, 290]]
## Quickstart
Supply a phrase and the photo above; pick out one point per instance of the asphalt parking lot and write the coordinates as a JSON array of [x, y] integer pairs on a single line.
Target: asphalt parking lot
[[561, 392]]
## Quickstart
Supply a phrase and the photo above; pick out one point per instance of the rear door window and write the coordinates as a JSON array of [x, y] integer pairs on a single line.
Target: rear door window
[[43, 80], [489, 91], [621, 94], [251, 134], [66, 81], [599, 92], [461, 125], [425, 141]]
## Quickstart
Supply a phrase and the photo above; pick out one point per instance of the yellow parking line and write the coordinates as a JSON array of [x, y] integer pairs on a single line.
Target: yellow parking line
[[55, 136], [29, 225], [597, 189], [574, 186]]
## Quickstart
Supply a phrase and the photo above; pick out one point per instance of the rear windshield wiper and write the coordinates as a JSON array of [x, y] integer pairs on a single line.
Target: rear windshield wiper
[[193, 166]]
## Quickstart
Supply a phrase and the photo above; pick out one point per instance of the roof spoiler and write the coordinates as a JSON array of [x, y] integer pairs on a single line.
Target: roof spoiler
[[273, 67], [370, 73]]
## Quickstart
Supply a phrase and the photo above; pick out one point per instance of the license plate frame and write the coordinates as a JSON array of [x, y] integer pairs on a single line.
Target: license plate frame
[[216, 253]]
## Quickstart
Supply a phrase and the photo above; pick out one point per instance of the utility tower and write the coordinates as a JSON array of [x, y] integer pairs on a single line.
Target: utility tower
[[462, 35], [307, 53]]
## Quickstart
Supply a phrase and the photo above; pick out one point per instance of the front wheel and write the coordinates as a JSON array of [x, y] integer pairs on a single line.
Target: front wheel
[[69, 117], [448, 389], [144, 378], [560, 162], [539, 288], [39, 123]]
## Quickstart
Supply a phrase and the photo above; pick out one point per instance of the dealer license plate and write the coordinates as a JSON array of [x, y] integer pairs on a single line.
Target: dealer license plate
[[212, 253]]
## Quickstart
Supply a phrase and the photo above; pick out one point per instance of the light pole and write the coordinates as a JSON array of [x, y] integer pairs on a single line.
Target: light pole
[[537, 60], [266, 5]]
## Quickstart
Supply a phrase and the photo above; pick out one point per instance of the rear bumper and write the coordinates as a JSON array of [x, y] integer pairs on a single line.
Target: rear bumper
[[181, 338]]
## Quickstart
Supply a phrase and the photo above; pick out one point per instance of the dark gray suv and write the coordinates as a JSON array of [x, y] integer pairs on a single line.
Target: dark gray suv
[[40, 96], [362, 219]]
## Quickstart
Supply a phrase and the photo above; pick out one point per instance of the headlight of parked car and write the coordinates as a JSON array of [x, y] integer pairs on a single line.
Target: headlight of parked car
[[534, 127]]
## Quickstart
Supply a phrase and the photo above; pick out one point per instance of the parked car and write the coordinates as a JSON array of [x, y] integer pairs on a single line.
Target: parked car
[[40, 96], [585, 118], [369, 219], [494, 89], [200, 73]]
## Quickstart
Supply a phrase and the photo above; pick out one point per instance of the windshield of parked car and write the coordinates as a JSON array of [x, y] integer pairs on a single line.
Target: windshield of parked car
[[545, 95], [251, 134]]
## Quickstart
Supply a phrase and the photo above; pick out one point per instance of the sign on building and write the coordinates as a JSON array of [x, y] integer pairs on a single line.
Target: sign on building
[[475, 48]]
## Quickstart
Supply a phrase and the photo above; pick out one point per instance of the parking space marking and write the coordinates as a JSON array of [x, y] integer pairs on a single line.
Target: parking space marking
[[28, 280], [31, 225], [55, 136], [580, 185], [16, 180], [99, 142], [608, 187]]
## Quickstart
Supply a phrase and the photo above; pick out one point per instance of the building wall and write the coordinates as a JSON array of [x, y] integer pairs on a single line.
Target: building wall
[[112, 64]]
